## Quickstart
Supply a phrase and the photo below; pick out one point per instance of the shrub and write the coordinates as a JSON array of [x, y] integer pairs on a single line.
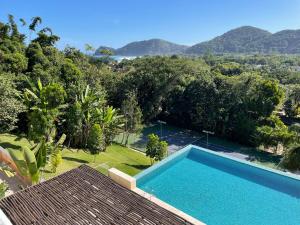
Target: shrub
[[291, 160], [156, 149], [95, 139]]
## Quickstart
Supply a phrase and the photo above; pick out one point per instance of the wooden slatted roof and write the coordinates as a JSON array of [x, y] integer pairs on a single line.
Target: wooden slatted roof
[[84, 196]]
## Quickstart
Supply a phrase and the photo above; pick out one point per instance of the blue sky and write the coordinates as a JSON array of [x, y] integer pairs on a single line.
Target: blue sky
[[118, 22]]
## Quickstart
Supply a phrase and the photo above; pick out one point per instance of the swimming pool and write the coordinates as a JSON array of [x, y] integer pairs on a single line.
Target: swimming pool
[[219, 190]]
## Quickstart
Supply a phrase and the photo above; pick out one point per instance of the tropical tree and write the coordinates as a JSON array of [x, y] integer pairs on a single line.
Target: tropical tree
[[95, 140], [35, 21], [46, 38], [30, 161], [296, 129], [89, 48], [156, 149], [291, 159], [111, 123], [73, 126], [274, 133], [89, 103], [292, 103], [10, 103], [132, 116], [56, 154], [44, 107], [106, 52]]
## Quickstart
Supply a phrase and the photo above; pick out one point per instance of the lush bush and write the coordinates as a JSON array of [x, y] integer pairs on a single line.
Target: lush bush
[[156, 149], [291, 159], [95, 139]]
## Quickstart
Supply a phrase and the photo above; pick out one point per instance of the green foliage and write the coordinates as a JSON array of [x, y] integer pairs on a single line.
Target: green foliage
[[74, 120], [106, 52], [89, 48], [292, 103], [95, 139], [249, 40], [26, 162], [291, 159], [14, 62], [53, 95], [44, 105], [56, 159], [152, 78], [10, 103], [70, 73], [30, 161], [296, 129], [156, 149], [274, 133], [265, 97], [132, 115], [229, 68], [35, 22], [111, 123], [44, 39], [3, 189]]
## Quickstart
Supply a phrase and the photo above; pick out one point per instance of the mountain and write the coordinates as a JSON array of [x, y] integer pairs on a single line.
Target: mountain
[[246, 40], [233, 41], [284, 42], [149, 47], [98, 51]]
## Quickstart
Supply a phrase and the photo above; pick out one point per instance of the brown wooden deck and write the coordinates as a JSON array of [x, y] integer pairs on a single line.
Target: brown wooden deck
[[84, 196]]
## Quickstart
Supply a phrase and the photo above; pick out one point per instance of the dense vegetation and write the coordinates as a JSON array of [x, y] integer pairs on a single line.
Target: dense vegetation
[[246, 39], [52, 95]]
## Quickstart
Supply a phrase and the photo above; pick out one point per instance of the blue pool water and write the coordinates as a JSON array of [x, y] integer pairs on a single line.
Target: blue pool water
[[221, 191]]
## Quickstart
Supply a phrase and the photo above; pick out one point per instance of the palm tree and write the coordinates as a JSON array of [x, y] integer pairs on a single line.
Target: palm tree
[[23, 22], [89, 48], [35, 22]]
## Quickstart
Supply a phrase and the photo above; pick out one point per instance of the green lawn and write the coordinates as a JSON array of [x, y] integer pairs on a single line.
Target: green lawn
[[12, 141], [124, 159]]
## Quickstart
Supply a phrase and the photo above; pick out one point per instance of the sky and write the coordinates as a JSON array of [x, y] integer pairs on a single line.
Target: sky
[[117, 22]]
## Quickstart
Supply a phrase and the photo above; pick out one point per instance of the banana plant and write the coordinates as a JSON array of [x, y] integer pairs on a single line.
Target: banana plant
[[30, 161], [26, 162], [111, 123]]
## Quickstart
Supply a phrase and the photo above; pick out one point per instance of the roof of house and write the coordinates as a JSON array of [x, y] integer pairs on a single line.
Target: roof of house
[[83, 196]]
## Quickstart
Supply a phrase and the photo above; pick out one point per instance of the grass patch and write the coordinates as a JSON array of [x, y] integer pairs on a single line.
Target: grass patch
[[122, 158], [12, 141]]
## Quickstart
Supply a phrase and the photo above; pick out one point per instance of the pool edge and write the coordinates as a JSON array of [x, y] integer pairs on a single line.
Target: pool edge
[[189, 147]]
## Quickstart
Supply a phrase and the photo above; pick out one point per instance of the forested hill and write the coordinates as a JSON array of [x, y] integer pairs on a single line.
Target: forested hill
[[251, 40], [246, 40], [149, 47], [238, 40]]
